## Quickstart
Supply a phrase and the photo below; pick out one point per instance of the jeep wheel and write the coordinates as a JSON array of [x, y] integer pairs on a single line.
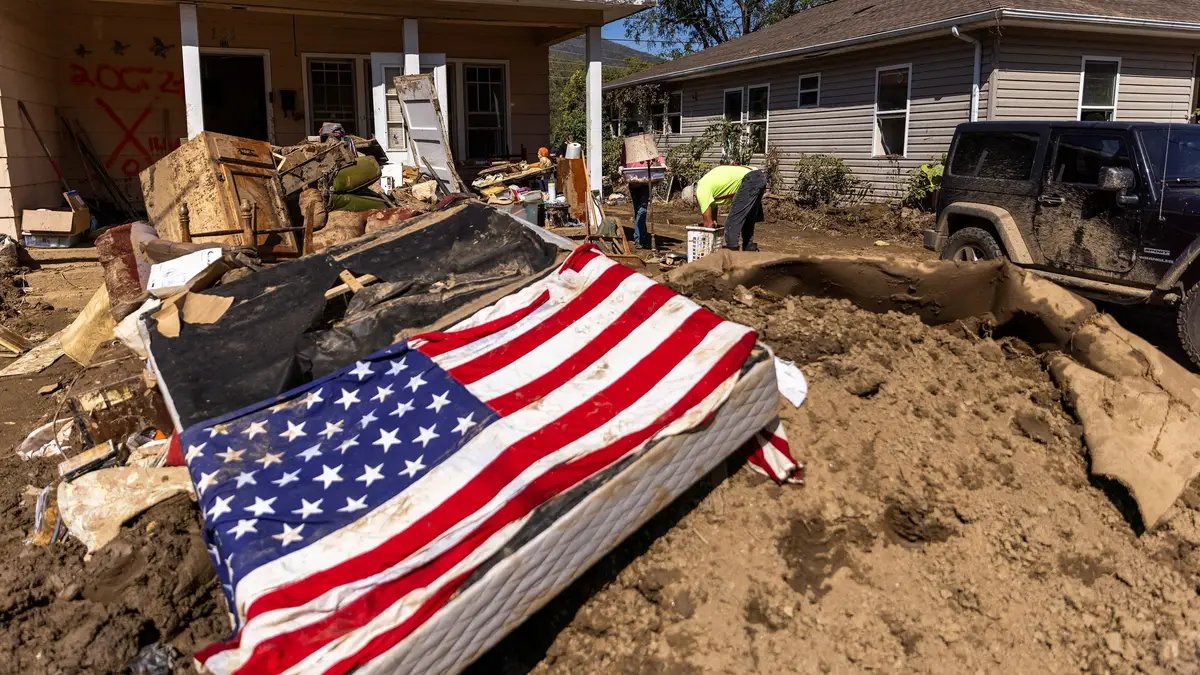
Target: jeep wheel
[[1189, 324], [972, 244]]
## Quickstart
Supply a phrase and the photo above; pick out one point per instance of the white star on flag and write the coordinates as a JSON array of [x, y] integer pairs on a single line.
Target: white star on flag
[[218, 430], [290, 534], [206, 481], [246, 478], [231, 455], [403, 408], [384, 393], [412, 468], [270, 458], [370, 474], [367, 419], [427, 434], [349, 443], [261, 506], [220, 507], [332, 428], [313, 398], [194, 451], [353, 505], [387, 439], [439, 401], [329, 475], [361, 370], [255, 428], [348, 398], [415, 382], [310, 453], [243, 527], [308, 508], [294, 431], [288, 477], [396, 366], [464, 423]]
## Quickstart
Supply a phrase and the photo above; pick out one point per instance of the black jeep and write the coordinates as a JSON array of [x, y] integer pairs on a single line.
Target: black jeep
[[1110, 209]]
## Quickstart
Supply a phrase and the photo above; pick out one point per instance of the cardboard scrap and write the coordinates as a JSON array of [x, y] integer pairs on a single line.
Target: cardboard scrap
[[93, 327], [37, 359], [195, 308], [96, 505]]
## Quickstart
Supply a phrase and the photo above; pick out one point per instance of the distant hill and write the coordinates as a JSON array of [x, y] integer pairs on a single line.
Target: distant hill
[[612, 53]]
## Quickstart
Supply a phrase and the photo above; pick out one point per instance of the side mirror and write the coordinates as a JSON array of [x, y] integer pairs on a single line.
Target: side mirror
[[1116, 179]]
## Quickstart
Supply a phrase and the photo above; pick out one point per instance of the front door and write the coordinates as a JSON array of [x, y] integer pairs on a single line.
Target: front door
[[1077, 224], [234, 89], [389, 122]]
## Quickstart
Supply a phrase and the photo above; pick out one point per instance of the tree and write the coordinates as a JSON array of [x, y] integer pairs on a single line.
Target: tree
[[568, 96], [700, 24]]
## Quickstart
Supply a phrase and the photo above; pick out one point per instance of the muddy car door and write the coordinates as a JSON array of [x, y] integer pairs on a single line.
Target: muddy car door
[[1088, 215]]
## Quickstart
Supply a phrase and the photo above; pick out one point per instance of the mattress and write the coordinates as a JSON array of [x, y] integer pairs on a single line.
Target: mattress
[[598, 516]]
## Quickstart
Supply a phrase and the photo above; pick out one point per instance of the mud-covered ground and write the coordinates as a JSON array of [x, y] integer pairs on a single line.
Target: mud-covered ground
[[947, 526]]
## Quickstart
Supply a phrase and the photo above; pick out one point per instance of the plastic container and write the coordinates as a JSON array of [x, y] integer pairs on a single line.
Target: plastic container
[[532, 201], [48, 240], [701, 241]]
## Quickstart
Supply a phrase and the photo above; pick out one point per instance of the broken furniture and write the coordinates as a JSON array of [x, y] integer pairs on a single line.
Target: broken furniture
[[309, 163], [221, 189]]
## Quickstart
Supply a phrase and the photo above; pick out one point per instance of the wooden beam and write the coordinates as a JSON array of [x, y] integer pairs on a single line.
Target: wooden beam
[[470, 13]]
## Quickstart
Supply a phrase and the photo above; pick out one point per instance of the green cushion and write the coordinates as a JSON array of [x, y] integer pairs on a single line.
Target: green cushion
[[364, 172]]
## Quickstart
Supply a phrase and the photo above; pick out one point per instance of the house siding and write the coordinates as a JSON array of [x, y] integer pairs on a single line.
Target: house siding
[[843, 124], [1039, 75]]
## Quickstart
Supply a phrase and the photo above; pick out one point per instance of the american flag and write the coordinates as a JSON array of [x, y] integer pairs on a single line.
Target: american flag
[[342, 514]]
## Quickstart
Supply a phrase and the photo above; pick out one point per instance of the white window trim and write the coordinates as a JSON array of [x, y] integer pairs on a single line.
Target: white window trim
[[460, 103], [891, 113], [667, 111], [1116, 85], [800, 90], [766, 121], [266, 57], [742, 112], [366, 119]]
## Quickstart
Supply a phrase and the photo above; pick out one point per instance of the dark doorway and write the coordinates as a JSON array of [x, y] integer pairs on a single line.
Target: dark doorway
[[234, 88]]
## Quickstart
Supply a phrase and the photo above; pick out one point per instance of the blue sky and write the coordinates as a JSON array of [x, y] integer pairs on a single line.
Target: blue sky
[[616, 31]]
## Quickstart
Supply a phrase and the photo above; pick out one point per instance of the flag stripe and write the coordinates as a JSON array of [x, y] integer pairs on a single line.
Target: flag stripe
[[442, 342], [503, 355], [481, 487], [356, 614]]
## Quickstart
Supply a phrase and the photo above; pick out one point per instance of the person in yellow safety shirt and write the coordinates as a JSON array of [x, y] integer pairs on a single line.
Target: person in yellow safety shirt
[[740, 187]]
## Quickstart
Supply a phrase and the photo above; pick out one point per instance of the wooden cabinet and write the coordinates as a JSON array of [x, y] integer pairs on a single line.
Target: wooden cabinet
[[214, 174]]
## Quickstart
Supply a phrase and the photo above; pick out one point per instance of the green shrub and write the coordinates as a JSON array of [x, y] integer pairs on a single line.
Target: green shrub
[[825, 179], [923, 182]]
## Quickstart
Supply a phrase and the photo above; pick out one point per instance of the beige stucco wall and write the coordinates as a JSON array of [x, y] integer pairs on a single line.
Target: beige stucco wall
[[101, 69]]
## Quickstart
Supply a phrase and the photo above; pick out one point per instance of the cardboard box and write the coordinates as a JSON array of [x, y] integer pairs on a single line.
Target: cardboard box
[[69, 221]]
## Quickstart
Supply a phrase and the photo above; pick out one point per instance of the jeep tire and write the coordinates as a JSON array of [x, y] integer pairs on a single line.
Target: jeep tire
[[1188, 319], [972, 244]]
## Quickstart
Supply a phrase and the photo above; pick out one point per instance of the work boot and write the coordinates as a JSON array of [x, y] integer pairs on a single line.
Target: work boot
[[750, 246]]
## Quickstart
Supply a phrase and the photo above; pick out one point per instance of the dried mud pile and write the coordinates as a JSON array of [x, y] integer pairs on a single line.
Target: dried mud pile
[[947, 526]]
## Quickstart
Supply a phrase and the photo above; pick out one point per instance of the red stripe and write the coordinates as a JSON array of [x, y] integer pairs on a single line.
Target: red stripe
[[282, 651], [635, 315], [444, 341], [364, 609], [505, 354], [581, 256]]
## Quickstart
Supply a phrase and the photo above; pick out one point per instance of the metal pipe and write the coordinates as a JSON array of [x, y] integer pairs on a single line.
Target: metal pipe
[[975, 74]]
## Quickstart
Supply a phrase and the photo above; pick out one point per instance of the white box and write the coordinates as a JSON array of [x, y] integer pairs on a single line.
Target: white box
[[701, 241]]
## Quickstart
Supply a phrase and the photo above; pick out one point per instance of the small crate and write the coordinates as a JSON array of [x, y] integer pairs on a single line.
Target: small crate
[[51, 240], [701, 241]]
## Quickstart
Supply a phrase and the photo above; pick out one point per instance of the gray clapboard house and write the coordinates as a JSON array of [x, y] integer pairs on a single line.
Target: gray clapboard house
[[883, 83]]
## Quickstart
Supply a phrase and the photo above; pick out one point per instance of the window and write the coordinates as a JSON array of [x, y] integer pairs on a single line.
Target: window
[[396, 140], [675, 112], [892, 88], [613, 115], [1000, 156], [334, 98], [486, 108], [1099, 79], [810, 91], [1080, 157], [658, 118], [733, 105], [758, 102]]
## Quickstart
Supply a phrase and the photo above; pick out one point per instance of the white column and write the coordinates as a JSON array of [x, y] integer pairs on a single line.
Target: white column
[[193, 99], [595, 141], [412, 48]]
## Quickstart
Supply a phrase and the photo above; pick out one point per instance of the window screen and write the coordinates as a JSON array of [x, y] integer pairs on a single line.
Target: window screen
[[810, 91], [1079, 157], [1001, 156]]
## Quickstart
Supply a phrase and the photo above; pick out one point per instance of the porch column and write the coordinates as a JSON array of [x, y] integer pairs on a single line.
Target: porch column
[[193, 102], [595, 141], [412, 48]]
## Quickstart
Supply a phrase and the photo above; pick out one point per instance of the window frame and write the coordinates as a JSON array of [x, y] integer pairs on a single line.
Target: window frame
[[1056, 140], [876, 145], [669, 114], [766, 119], [800, 91], [1079, 107], [362, 91], [741, 108]]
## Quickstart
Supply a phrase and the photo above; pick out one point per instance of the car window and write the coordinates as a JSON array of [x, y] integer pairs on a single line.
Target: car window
[[999, 155], [1080, 157]]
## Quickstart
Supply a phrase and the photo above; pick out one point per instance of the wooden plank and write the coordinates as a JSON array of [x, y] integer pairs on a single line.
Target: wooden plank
[[14, 341]]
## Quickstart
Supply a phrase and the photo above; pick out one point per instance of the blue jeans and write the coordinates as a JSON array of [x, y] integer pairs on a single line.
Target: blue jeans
[[639, 194]]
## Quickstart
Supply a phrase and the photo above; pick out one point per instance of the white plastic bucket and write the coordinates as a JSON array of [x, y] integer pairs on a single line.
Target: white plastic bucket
[[701, 241]]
